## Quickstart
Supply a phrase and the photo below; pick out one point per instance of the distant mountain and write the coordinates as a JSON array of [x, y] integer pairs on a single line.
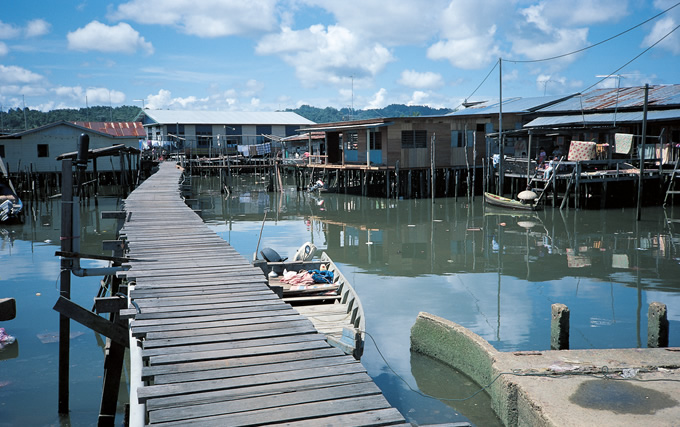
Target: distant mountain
[[14, 120], [330, 114]]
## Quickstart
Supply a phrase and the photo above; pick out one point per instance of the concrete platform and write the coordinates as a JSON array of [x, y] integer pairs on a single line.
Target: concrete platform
[[603, 387]]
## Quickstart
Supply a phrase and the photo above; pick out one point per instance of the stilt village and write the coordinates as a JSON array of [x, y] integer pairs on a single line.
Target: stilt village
[[214, 339], [590, 150]]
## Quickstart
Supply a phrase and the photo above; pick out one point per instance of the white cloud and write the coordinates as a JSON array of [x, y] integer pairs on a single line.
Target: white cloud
[[104, 38], [424, 80], [204, 18], [468, 34], [418, 98], [549, 14], [164, 99], [37, 27], [4, 50], [8, 31], [14, 74], [661, 28], [469, 53], [396, 22], [378, 100], [94, 95], [322, 55]]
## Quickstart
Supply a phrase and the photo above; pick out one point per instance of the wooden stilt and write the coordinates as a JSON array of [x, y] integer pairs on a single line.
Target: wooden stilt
[[65, 282]]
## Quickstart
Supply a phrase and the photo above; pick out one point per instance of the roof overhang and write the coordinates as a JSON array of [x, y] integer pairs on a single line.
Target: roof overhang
[[337, 128], [100, 152]]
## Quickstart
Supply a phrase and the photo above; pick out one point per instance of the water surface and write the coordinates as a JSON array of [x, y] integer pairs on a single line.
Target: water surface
[[494, 272]]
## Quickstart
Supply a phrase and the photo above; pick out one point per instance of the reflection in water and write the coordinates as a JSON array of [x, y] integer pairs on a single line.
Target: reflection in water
[[455, 392], [494, 272], [29, 272]]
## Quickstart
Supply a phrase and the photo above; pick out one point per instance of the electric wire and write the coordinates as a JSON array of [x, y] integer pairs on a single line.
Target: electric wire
[[581, 50], [526, 61], [632, 60]]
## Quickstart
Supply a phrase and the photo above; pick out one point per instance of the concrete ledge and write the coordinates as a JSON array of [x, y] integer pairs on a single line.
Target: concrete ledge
[[8, 309], [560, 387]]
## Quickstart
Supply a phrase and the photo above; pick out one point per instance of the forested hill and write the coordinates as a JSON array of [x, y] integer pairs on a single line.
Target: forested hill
[[14, 120], [330, 114]]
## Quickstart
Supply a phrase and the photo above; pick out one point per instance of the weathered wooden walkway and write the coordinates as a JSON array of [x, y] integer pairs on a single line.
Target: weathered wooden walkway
[[218, 346]]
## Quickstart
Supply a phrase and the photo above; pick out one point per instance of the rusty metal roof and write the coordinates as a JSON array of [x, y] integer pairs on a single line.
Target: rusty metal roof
[[660, 96], [115, 128]]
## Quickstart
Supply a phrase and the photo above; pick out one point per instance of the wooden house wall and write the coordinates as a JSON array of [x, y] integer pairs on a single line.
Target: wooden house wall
[[22, 152]]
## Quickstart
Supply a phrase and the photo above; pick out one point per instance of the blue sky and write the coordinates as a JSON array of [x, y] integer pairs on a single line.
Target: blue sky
[[265, 55]]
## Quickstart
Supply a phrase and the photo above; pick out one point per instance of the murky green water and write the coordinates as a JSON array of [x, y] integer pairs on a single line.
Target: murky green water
[[492, 272]]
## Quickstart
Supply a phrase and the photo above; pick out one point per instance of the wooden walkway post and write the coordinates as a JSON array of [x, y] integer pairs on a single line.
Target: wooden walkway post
[[65, 281]]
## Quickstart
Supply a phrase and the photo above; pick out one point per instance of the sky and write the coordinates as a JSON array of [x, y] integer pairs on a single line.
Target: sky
[[267, 55]]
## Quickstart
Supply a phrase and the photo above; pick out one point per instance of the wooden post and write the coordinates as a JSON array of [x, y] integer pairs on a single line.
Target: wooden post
[[657, 325], [642, 153], [65, 281], [559, 327]]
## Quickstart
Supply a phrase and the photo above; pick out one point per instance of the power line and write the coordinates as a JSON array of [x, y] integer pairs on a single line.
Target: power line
[[629, 62], [480, 85], [596, 44]]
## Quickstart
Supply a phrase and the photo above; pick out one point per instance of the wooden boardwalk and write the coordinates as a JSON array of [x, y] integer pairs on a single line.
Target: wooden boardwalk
[[218, 346]]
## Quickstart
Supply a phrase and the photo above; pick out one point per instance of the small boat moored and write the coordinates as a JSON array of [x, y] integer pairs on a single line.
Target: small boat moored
[[319, 291], [504, 202], [10, 205]]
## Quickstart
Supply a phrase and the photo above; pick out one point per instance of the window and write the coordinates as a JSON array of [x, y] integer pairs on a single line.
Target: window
[[261, 130], [204, 135], [351, 140], [413, 139], [43, 150], [376, 141]]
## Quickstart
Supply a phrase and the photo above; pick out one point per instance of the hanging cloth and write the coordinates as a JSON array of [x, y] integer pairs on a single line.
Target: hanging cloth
[[623, 143]]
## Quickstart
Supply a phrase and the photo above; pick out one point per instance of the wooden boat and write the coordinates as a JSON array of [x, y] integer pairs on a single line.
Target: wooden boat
[[504, 202], [10, 204], [333, 308]]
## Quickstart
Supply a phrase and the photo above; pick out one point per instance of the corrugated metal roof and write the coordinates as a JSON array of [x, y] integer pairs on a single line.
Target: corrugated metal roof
[[226, 117], [629, 97], [602, 118], [305, 136], [115, 128], [511, 105]]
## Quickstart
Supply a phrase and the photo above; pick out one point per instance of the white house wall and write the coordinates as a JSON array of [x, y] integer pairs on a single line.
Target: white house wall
[[22, 153]]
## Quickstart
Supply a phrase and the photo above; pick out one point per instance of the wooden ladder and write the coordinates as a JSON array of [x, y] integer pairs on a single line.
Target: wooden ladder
[[671, 185]]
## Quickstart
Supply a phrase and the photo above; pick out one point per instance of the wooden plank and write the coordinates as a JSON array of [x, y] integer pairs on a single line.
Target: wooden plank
[[379, 417], [262, 402], [307, 328], [229, 345], [239, 352], [237, 362], [299, 412], [165, 390], [73, 311], [248, 370]]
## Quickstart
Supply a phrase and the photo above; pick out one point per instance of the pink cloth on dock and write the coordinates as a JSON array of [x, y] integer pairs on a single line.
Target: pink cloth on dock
[[581, 150]]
